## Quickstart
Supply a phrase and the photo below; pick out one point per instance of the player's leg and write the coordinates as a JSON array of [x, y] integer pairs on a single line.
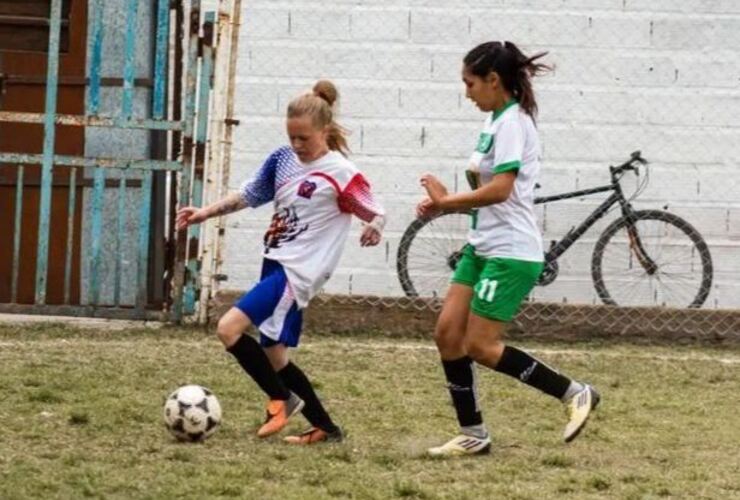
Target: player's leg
[[250, 355], [265, 306], [497, 297], [449, 335], [322, 429]]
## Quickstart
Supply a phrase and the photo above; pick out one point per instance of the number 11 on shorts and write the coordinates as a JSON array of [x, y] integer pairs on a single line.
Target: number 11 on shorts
[[486, 289]]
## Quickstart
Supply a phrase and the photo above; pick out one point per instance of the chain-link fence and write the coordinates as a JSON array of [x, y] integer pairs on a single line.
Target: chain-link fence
[[661, 77]]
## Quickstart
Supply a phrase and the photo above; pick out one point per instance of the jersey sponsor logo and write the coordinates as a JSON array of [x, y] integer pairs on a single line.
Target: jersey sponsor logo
[[485, 143], [306, 189], [285, 227]]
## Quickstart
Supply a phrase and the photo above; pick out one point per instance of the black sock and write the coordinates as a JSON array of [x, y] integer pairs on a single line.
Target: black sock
[[254, 361], [459, 373], [531, 371], [294, 378]]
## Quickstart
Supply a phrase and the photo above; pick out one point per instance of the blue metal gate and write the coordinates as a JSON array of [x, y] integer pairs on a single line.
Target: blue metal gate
[[122, 232]]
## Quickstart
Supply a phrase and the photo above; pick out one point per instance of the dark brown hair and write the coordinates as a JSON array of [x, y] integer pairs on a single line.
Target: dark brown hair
[[319, 105], [513, 67]]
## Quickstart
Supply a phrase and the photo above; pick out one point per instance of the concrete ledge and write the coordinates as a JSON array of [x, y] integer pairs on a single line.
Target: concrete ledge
[[403, 317], [77, 322]]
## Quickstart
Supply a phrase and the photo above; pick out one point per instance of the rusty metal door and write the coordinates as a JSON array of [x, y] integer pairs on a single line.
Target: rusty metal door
[[98, 145], [23, 47]]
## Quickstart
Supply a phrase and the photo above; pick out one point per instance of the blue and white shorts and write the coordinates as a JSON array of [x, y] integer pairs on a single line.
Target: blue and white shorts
[[272, 308]]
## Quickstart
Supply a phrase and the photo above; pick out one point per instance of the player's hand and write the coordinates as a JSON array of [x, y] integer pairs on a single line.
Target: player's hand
[[188, 216], [370, 236], [426, 208], [435, 189]]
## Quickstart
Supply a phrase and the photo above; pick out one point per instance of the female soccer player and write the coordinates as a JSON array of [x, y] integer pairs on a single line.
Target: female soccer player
[[315, 190], [503, 257]]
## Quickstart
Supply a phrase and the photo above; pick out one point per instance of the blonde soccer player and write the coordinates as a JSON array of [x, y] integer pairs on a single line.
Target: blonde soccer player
[[315, 190]]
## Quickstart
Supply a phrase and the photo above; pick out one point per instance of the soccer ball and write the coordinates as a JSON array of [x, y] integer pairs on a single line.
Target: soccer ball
[[192, 413]]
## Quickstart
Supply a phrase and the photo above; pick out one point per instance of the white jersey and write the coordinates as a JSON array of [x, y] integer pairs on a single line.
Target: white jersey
[[508, 143], [314, 203]]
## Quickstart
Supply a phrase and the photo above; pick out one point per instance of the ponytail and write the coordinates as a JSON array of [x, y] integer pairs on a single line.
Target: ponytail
[[514, 68]]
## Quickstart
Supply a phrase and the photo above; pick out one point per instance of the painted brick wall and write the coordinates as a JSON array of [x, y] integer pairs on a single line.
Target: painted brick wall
[[657, 75]]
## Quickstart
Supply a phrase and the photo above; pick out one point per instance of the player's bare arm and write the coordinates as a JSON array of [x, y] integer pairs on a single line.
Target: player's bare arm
[[232, 203], [187, 216], [496, 191]]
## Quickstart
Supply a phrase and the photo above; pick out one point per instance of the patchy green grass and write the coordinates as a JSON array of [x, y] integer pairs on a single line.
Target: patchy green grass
[[81, 417]]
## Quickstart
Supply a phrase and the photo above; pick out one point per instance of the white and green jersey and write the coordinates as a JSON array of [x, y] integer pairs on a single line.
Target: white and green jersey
[[508, 143]]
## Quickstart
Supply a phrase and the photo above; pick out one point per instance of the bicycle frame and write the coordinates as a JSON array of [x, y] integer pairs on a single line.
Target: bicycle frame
[[558, 248]]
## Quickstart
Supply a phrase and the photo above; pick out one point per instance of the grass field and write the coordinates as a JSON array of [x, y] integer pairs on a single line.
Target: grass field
[[81, 417]]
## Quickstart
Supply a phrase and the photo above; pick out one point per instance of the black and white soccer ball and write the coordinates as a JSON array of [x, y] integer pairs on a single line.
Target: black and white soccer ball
[[192, 413]]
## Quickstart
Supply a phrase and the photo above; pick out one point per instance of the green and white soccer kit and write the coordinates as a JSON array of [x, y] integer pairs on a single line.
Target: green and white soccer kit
[[504, 257]]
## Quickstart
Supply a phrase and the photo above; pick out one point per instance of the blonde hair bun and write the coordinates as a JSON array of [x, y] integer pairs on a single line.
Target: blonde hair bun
[[327, 91]]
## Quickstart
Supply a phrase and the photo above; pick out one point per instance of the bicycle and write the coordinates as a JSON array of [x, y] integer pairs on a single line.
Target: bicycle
[[670, 266]]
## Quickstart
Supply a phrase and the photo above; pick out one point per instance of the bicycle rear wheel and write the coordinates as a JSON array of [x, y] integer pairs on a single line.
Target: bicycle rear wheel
[[429, 251], [652, 258]]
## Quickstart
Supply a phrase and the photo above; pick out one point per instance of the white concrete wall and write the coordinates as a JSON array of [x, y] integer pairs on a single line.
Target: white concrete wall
[[662, 76]]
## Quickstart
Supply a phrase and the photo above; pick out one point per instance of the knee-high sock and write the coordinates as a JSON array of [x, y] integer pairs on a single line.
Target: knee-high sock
[[522, 366], [255, 362], [461, 384], [294, 378]]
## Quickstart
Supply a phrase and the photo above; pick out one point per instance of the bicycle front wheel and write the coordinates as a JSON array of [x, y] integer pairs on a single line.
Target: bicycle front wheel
[[652, 258], [429, 252]]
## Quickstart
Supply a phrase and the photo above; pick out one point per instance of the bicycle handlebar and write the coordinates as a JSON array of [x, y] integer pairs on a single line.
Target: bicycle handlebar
[[633, 163]]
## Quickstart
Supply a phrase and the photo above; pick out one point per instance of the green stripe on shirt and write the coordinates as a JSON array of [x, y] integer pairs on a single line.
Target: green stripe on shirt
[[507, 167]]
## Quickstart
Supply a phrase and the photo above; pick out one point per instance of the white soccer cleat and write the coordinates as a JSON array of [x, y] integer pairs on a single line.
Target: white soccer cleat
[[579, 409], [462, 445]]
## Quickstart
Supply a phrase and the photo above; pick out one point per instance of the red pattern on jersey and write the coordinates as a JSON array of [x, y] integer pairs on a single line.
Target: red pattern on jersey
[[329, 178], [358, 199]]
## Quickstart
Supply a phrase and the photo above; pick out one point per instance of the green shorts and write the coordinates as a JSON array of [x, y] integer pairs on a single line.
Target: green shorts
[[500, 284]]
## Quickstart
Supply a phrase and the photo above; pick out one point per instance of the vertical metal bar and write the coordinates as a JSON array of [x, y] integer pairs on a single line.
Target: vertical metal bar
[[143, 253], [17, 234], [187, 155], [206, 76], [129, 68], [95, 59], [160, 62], [70, 234], [191, 77], [52, 76], [121, 226], [160, 145], [201, 130], [159, 253], [192, 265], [221, 138], [96, 230], [177, 63]]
